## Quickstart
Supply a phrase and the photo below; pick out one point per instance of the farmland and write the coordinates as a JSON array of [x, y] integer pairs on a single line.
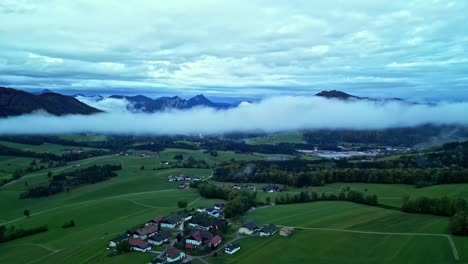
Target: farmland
[[326, 231]]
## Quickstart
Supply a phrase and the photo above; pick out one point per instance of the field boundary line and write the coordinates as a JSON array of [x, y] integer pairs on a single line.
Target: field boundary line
[[84, 202], [57, 170], [449, 237], [196, 200]]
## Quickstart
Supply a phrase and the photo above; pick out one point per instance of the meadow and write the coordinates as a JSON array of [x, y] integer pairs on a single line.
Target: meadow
[[327, 232]]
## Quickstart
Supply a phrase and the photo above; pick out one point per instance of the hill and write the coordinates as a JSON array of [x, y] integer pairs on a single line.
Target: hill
[[15, 102], [142, 103]]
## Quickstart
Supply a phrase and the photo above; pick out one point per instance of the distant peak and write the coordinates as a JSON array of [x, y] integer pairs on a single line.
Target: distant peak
[[336, 94], [46, 91]]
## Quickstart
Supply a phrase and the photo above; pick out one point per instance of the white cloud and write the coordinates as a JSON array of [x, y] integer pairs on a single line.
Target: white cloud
[[270, 115], [229, 44]]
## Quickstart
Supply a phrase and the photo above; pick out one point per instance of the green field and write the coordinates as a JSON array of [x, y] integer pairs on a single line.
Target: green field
[[306, 246], [43, 148], [327, 232]]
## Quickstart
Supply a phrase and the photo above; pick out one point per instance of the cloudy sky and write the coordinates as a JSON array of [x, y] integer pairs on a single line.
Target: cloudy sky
[[401, 48]]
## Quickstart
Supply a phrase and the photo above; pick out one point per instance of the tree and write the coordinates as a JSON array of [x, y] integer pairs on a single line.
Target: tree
[[458, 224], [142, 167], [182, 203], [268, 200], [178, 157], [26, 212], [49, 174], [123, 247]]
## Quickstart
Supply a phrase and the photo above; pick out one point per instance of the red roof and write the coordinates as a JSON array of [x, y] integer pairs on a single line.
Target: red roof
[[216, 240], [189, 246], [146, 230], [196, 236], [173, 253], [158, 219], [138, 242]]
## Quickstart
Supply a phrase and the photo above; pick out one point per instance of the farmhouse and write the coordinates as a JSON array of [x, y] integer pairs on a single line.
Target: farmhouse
[[231, 248], [204, 222], [156, 220], [269, 230], [173, 255], [219, 206], [146, 231], [250, 228], [139, 244], [286, 231], [215, 241], [214, 212], [185, 216], [271, 188], [115, 241], [198, 238], [171, 221], [159, 238]]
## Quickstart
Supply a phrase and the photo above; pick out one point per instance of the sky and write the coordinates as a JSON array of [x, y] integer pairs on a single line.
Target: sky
[[415, 49]]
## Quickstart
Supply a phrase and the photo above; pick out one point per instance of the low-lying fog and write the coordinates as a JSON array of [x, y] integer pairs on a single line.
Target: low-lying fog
[[270, 115]]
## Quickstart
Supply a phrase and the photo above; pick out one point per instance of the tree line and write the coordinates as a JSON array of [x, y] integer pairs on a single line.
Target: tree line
[[12, 232], [65, 181]]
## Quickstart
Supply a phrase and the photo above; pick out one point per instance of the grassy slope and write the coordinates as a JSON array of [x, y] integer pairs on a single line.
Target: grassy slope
[[43, 148]]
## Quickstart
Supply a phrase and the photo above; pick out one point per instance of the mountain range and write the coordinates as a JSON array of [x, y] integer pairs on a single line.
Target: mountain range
[[141, 103], [16, 102]]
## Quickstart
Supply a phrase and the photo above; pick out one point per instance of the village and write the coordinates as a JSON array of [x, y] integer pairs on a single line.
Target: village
[[187, 235]]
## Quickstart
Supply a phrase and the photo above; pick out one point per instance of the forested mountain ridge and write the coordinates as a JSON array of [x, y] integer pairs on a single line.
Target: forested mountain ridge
[[15, 102]]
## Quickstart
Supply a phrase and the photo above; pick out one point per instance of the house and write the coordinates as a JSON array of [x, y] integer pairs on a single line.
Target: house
[[213, 212], [269, 230], [219, 206], [173, 255], [231, 248], [198, 238], [250, 228], [215, 241], [171, 221], [146, 231], [159, 238], [286, 231], [271, 188], [204, 222], [156, 220], [139, 244], [115, 241], [185, 216]]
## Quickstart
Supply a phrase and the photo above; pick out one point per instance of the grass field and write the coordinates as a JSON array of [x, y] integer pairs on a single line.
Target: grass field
[[331, 231], [391, 194], [43, 148], [306, 246]]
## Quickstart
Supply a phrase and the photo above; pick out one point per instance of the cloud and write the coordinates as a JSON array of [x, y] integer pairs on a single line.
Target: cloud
[[269, 115], [111, 105], [185, 45]]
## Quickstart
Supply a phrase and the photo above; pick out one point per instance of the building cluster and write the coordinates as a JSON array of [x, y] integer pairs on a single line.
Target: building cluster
[[187, 232], [139, 154], [185, 180], [244, 187], [253, 228], [74, 151]]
